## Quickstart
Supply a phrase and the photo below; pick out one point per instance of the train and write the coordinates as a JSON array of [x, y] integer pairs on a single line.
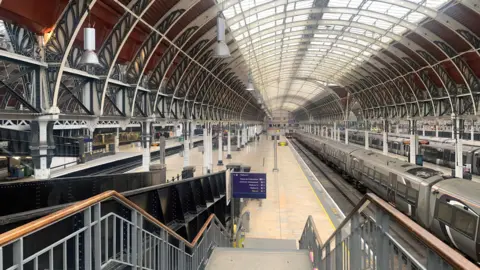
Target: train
[[447, 207], [440, 153]]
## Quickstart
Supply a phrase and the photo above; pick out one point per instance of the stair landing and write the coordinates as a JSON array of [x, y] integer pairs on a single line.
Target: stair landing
[[249, 258]]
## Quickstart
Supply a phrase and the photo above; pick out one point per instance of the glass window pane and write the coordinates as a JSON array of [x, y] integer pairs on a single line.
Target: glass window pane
[[465, 222], [444, 212]]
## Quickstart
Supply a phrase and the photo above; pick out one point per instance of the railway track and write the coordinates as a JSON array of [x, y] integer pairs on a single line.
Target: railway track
[[347, 197]]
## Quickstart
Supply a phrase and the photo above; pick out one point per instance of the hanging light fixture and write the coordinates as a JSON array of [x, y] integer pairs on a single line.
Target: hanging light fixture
[[89, 57], [250, 83], [221, 48]]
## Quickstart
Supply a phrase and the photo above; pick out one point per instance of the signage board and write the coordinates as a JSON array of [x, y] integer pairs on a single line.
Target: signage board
[[249, 185]]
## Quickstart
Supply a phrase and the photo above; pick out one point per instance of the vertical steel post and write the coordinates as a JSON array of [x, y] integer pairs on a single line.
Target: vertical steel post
[[275, 167], [97, 237], [87, 238], [220, 145], [229, 143]]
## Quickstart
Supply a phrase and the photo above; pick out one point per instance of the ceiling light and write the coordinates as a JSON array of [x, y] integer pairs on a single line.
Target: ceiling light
[[89, 57], [221, 48]]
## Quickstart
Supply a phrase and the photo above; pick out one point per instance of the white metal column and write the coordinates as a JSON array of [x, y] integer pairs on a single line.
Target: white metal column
[[205, 147], [186, 146], [413, 141], [385, 137], [146, 136], [457, 126], [367, 146], [472, 131], [436, 130], [346, 135], [238, 137], [229, 144], [220, 145]]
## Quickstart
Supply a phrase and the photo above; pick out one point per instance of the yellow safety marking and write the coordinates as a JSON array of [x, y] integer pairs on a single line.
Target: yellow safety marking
[[318, 199]]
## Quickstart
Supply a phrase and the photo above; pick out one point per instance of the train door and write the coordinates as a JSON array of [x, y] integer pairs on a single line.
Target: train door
[[391, 186]]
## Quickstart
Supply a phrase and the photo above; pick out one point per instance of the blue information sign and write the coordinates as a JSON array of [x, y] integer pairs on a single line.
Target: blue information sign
[[249, 185]]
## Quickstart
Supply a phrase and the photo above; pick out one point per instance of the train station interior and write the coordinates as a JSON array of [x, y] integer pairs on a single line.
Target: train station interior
[[239, 134]]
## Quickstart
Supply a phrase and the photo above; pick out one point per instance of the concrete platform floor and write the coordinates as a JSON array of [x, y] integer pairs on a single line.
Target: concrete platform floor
[[290, 197]]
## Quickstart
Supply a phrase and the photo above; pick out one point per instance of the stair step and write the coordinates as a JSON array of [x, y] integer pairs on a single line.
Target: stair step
[[270, 243], [252, 259]]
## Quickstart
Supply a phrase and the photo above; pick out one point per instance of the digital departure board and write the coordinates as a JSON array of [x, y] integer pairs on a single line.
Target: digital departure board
[[249, 185]]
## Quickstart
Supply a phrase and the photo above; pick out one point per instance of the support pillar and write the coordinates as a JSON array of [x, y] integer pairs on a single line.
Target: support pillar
[[346, 132], [338, 134], [42, 145], [117, 141], [238, 137], [334, 131], [457, 130], [205, 149], [229, 144], [385, 137], [367, 146], [472, 131], [186, 146], [423, 129], [220, 145], [192, 133], [413, 141], [210, 147], [147, 127], [436, 130]]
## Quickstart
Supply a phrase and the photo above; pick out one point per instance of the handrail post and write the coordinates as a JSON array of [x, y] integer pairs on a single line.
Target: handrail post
[[87, 238], [181, 257], [327, 257], [338, 250], [18, 253], [97, 238], [134, 244], [163, 249], [383, 224], [355, 243]]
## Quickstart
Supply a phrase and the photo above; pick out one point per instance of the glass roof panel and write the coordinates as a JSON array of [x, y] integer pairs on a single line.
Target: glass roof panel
[[281, 40]]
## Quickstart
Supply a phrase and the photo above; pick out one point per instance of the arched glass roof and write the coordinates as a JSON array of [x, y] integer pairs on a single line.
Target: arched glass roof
[[295, 49]]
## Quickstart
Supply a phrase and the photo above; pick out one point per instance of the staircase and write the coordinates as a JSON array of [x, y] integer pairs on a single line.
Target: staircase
[[260, 254], [110, 232]]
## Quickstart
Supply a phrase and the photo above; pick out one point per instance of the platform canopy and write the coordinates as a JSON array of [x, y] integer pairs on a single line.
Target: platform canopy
[[317, 59], [382, 58]]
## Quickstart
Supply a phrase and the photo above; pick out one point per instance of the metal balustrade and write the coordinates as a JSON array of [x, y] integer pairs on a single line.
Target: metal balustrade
[[364, 242], [108, 232]]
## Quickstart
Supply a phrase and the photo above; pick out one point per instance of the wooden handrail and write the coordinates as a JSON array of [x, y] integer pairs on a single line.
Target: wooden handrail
[[43, 222], [451, 256]]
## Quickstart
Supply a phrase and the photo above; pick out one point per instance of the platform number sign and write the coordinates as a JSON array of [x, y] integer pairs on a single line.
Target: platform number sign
[[249, 185]]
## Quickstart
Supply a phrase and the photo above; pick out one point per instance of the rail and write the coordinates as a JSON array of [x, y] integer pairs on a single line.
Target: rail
[[108, 231], [360, 242]]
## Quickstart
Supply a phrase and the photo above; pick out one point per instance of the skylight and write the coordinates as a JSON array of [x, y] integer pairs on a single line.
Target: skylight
[[280, 40]]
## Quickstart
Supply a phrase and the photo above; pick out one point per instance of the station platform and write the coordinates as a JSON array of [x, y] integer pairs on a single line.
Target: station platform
[[290, 196], [126, 151]]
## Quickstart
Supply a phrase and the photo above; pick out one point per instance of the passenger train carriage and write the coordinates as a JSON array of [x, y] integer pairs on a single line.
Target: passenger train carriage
[[449, 208]]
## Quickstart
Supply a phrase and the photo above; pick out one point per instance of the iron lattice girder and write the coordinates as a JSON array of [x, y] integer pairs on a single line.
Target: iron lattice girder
[[78, 9]]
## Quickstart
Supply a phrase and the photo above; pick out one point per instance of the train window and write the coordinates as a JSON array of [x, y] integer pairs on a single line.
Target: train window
[[465, 222], [439, 154], [412, 195], [401, 189], [452, 157], [444, 212]]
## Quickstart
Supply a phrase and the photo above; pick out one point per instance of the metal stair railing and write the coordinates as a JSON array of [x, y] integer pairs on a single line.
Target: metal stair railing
[[108, 232], [361, 242]]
